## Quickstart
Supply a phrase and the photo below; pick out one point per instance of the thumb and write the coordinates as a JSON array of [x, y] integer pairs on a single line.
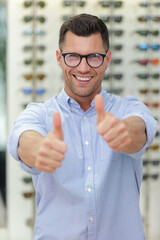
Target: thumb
[[99, 105], [57, 123]]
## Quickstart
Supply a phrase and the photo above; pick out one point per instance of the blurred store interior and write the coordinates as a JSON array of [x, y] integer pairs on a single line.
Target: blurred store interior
[[29, 72]]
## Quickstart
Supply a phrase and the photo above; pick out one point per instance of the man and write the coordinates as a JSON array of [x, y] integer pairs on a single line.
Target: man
[[84, 146]]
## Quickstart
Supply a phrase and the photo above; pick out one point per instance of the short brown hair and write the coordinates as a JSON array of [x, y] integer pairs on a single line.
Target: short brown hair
[[84, 25]]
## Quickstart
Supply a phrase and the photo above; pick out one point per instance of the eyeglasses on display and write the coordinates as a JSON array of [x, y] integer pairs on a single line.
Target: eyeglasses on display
[[153, 147], [36, 32], [29, 77], [28, 194], [30, 222], [27, 180], [117, 47], [116, 61], [66, 17], [149, 18], [157, 134], [28, 48], [148, 4], [116, 4], [145, 46], [116, 33], [31, 61], [38, 91], [108, 19], [41, 19], [115, 90], [145, 91], [145, 62], [41, 4], [152, 104], [155, 162], [94, 60], [147, 32], [76, 3], [152, 176], [117, 76], [145, 76]]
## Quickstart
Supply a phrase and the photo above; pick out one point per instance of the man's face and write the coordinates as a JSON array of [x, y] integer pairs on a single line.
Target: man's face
[[83, 80]]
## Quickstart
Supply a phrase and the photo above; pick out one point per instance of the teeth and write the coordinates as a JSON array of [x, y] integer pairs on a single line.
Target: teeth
[[83, 78]]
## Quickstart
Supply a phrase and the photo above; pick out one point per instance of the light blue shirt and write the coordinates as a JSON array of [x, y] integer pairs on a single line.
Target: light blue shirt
[[95, 194]]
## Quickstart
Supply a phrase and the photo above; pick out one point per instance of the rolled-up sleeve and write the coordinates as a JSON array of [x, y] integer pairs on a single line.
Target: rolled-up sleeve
[[32, 118], [133, 107]]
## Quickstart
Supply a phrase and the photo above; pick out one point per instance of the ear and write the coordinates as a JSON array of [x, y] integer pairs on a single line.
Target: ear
[[108, 58], [59, 58]]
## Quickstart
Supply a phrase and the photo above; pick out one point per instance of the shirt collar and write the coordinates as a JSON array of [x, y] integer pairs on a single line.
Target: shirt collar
[[65, 99]]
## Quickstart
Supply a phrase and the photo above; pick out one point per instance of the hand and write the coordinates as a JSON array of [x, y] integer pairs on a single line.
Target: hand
[[113, 130], [53, 148]]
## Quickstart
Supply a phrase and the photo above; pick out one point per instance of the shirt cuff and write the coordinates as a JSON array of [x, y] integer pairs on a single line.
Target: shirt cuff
[[151, 127], [12, 148]]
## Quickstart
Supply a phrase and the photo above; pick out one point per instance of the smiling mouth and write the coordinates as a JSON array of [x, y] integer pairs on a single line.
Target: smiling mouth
[[83, 79]]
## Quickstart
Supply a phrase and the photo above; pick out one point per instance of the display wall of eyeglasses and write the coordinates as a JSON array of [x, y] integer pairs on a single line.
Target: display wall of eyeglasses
[[34, 75]]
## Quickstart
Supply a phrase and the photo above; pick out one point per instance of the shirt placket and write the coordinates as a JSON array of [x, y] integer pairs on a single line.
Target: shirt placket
[[89, 178]]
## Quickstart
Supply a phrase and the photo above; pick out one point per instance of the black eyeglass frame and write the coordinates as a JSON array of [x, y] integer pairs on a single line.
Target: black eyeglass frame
[[84, 56]]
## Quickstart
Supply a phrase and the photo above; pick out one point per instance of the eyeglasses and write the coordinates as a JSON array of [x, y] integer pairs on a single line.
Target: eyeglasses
[[146, 32], [153, 147], [144, 47], [117, 76], [71, 3], [41, 19], [29, 77], [147, 4], [28, 194], [28, 48], [116, 4], [108, 19], [115, 90], [152, 104], [145, 76], [157, 134], [30, 61], [30, 222], [153, 162], [145, 91], [116, 61], [38, 3], [145, 62], [117, 33], [149, 18], [27, 180], [38, 91], [117, 47], [66, 17], [36, 32], [152, 176], [94, 60]]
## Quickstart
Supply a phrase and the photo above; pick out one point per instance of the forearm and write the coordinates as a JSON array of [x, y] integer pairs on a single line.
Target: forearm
[[137, 132], [29, 144]]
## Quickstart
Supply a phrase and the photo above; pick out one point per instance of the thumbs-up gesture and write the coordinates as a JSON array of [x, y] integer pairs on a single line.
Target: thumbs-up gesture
[[113, 130], [53, 148]]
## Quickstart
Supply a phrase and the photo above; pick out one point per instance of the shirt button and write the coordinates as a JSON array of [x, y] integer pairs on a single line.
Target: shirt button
[[71, 101], [91, 219], [89, 168], [89, 190], [84, 118], [86, 143], [69, 108]]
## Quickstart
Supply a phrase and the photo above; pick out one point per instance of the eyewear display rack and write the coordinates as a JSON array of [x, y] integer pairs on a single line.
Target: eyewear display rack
[[34, 75]]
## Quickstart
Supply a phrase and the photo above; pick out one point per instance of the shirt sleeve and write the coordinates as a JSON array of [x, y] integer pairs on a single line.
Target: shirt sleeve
[[32, 118], [133, 107]]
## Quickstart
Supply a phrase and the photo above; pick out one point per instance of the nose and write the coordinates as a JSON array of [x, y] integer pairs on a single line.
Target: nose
[[83, 66]]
